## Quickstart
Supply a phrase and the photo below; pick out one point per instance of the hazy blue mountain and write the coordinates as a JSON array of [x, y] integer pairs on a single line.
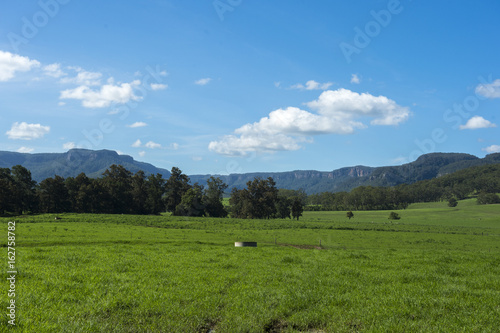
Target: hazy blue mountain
[[94, 163], [70, 164]]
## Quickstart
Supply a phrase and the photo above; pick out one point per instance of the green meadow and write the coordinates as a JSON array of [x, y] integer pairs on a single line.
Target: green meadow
[[434, 270]]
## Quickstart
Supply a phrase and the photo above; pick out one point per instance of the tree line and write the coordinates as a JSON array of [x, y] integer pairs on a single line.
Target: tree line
[[482, 182], [119, 191]]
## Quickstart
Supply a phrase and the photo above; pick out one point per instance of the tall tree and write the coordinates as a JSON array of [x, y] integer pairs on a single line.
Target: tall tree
[[7, 203], [155, 190], [213, 196], [53, 196], [117, 182], [191, 202], [177, 184], [297, 208], [24, 190], [283, 205], [139, 193]]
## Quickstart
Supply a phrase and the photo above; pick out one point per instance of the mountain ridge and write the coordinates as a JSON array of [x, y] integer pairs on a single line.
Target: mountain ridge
[[94, 162]]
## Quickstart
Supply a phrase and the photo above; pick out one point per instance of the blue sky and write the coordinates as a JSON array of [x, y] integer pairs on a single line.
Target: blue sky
[[231, 86]]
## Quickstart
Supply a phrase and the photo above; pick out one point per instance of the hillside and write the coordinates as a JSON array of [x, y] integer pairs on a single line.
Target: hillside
[[75, 161], [94, 163], [427, 166]]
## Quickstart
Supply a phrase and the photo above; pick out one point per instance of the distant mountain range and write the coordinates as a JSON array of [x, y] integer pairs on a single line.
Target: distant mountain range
[[70, 164], [94, 163], [345, 179]]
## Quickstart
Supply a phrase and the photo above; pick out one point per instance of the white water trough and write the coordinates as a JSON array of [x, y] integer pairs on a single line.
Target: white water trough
[[245, 244]]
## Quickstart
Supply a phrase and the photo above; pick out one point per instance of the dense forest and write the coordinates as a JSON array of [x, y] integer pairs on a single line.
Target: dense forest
[[119, 191]]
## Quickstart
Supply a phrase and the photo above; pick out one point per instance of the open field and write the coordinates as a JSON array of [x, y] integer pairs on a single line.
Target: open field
[[435, 270]]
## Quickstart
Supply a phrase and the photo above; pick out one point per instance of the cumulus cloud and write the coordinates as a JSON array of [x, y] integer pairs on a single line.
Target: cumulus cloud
[[137, 124], [11, 63], [25, 150], [477, 122], [103, 97], [489, 90], [355, 79], [158, 86], [202, 82], [492, 149], [25, 131], [312, 85], [337, 112], [142, 153], [344, 104], [137, 144], [54, 70]]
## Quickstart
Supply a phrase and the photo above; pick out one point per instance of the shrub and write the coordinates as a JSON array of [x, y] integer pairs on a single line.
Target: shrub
[[394, 216], [487, 199]]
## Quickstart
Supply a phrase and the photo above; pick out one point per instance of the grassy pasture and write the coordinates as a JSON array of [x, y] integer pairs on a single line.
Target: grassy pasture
[[435, 270]]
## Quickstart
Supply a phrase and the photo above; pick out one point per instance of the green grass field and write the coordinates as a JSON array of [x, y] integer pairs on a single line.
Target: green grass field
[[435, 270]]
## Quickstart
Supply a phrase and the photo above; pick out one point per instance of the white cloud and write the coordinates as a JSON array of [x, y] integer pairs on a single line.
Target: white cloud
[[202, 82], [69, 145], [489, 90], [277, 84], [312, 85], [137, 144], [25, 150], [232, 145], [492, 149], [54, 70], [158, 86], [137, 124], [25, 131], [355, 79], [174, 146], [344, 104], [103, 97], [477, 122], [286, 129], [152, 145], [11, 63], [84, 78], [142, 153]]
